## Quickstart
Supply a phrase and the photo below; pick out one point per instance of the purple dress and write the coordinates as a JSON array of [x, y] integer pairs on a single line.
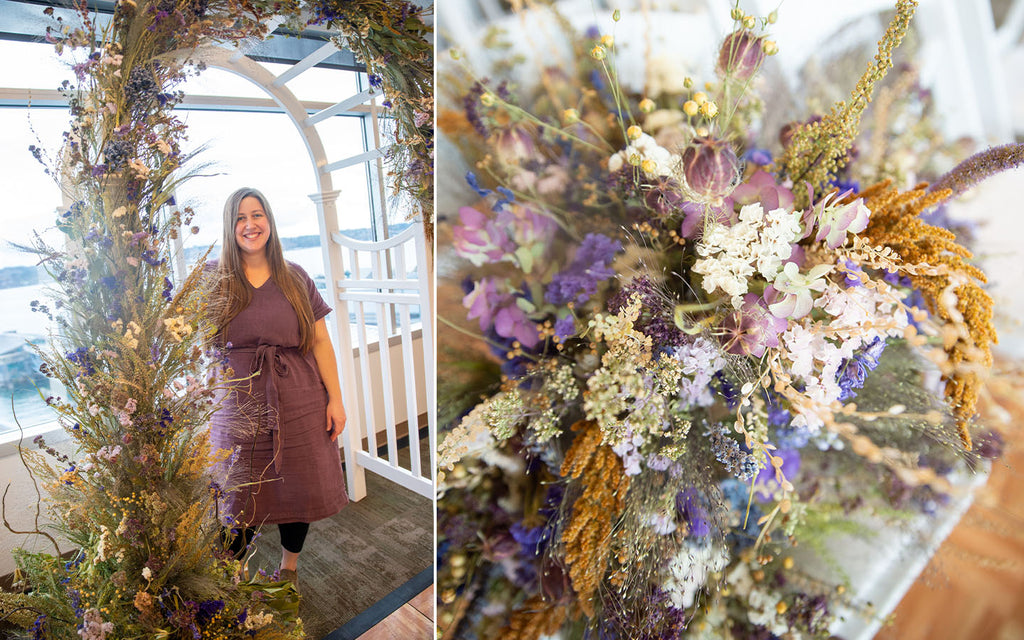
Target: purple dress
[[274, 417]]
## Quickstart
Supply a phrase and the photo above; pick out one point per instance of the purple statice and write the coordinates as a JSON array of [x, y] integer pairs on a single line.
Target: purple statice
[[656, 311], [854, 371], [849, 276], [39, 628], [168, 288], [591, 266], [116, 153], [141, 88], [151, 258], [736, 461], [207, 610], [565, 327], [691, 508], [83, 359]]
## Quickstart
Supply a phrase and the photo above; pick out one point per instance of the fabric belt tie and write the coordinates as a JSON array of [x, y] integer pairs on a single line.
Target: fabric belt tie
[[268, 362]]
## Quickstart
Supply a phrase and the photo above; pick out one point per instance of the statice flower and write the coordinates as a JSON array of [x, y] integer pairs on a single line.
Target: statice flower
[[766, 481], [693, 512], [645, 153], [590, 266]]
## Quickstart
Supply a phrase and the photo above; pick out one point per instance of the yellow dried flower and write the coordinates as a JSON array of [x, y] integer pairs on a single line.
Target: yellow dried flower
[[691, 108], [634, 132], [647, 105], [598, 53], [709, 109]]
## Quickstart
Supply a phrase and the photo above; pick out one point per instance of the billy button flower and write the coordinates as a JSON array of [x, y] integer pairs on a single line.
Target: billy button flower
[[634, 132], [647, 105], [598, 52], [710, 167]]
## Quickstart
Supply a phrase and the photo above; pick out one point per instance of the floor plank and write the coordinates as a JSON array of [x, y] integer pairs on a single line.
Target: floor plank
[[404, 624], [424, 602]]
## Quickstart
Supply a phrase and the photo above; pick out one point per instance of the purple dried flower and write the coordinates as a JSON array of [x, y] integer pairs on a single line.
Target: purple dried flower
[[761, 187], [741, 55], [589, 267], [752, 329], [710, 167]]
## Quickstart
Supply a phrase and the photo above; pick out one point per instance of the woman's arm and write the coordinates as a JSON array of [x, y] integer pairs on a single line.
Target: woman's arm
[[323, 351]]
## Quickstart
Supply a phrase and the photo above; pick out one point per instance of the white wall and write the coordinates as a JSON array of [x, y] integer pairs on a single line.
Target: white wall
[[398, 367], [21, 500]]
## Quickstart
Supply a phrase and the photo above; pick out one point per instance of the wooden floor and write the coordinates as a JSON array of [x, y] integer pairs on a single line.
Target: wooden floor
[[412, 621], [973, 588]]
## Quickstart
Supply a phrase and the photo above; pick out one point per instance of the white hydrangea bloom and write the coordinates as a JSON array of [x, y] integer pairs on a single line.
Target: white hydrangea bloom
[[757, 244]]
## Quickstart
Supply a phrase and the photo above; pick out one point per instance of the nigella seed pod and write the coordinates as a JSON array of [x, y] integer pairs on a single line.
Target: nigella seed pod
[[710, 168], [741, 55]]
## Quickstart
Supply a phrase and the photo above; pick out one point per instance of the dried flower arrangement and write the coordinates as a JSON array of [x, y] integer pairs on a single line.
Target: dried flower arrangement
[[707, 352]]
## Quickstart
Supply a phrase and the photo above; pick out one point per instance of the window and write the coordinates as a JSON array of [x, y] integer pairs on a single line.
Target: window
[[243, 146]]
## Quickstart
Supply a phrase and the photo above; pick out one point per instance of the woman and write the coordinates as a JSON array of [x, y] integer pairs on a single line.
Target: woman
[[282, 412]]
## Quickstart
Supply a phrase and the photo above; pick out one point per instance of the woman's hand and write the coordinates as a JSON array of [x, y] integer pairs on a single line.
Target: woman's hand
[[335, 418]]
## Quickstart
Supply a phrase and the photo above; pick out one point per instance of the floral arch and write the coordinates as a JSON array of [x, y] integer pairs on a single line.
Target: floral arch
[[136, 501]]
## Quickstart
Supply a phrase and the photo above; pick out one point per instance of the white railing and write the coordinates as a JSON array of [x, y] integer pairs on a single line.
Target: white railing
[[388, 279]]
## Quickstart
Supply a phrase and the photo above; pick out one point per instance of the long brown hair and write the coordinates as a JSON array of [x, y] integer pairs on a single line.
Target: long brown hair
[[233, 291]]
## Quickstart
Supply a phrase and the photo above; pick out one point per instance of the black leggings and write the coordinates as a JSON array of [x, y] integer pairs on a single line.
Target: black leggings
[[293, 536]]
